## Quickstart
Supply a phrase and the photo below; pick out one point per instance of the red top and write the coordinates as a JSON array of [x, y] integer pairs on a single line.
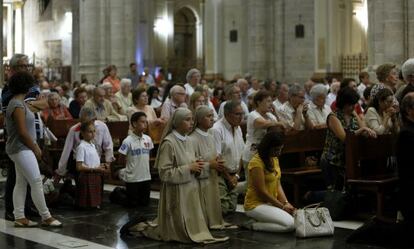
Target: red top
[[358, 108]]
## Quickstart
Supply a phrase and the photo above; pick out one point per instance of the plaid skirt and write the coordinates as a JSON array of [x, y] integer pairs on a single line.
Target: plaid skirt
[[89, 189]]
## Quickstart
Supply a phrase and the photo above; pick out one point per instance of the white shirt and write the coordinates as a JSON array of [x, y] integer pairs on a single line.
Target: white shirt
[[229, 146], [102, 141], [189, 90], [216, 117], [316, 115], [361, 88], [254, 135], [137, 151], [243, 105], [330, 98], [288, 113], [375, 122], [277, 104], [88, 155]]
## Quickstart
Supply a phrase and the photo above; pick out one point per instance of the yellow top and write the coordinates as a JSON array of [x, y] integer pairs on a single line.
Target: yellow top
[[272, 179]]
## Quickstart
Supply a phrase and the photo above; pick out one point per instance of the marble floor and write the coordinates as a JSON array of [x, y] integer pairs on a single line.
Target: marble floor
[[100, 229]]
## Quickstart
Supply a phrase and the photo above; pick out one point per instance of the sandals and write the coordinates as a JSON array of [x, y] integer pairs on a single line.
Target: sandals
[[28, 224], [54, 223]]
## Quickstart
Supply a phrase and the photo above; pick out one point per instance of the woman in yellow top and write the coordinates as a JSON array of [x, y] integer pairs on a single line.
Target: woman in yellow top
[[265, 199]]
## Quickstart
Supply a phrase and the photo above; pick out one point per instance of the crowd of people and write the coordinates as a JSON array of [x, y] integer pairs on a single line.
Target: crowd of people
[[203, 151]]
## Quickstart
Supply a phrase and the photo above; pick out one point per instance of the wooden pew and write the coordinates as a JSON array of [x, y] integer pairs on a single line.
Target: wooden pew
[[372, 176], [301, 143]]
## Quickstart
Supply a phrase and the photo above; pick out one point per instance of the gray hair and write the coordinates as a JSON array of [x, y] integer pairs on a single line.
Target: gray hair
[[125, 82], [229, 89], [318, 90], [87, 114], [16, 58], [230, 105], [408, 68], [175, 89], [295, 89], [106, 85], [190, 73], [241, 81]]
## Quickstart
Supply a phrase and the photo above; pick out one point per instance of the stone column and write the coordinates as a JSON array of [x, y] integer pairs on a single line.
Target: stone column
[[213, 38], [386, 34], [75, 40]]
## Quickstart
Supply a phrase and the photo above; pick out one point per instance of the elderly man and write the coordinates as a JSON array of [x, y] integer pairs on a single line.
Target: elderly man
[[244, 89], [294, 111], [103, 107], [229, 142], [193, 80], [177, 99], [232, 92], [282, 96], [124, 97], [102, 141]]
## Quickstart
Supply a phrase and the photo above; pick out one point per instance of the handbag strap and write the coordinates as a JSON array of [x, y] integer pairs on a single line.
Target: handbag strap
[[314, 205]]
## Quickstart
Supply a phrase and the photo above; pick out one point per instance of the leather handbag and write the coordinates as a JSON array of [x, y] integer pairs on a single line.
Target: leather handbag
[[313, 221]]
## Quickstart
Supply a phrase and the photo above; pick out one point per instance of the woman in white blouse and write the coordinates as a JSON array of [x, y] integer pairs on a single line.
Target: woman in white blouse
[[258, 121], [318, 109], [382, 115]]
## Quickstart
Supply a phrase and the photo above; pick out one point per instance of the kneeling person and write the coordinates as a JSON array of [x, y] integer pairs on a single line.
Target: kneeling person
[[136, 148]]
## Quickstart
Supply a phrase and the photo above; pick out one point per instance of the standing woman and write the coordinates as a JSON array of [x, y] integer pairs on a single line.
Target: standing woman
[[265, 199], [180, 214], [22, 148], [205, 150]]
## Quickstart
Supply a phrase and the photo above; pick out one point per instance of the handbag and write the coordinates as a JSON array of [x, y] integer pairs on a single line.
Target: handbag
[[313, 221]]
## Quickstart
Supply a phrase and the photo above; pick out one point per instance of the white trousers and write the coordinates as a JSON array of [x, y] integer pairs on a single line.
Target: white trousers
[[27, 172], [271, 219]]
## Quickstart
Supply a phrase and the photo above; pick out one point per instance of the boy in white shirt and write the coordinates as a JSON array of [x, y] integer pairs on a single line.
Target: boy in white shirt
[[136, 150]]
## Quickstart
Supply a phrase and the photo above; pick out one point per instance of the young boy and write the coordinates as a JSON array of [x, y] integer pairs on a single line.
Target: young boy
[[136, 148]]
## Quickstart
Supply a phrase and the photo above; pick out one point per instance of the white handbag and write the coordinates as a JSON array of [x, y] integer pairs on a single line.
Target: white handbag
[[313, 221]]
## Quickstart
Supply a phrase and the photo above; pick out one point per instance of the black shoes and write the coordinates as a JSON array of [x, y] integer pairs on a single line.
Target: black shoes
[[8, 216]]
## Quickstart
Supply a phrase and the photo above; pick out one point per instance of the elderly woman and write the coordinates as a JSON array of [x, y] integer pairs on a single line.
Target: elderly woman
[[55, 110], [124, 97], [294, 111], [180, 211], [318, 109], [339, 122], [81, 96], [382, 115], [205, 150], [193, 78], [140, 104]]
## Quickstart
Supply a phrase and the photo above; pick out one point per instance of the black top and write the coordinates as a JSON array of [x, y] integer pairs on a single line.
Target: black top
[[74, 109]]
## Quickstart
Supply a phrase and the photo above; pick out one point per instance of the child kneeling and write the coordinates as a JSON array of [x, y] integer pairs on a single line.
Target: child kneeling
[[89, 184], [136, 149]]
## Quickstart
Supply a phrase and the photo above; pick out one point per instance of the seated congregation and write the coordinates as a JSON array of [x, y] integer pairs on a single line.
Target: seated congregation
[[272, 147]]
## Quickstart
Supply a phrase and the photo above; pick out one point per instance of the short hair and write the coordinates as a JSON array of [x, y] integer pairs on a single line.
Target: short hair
[[175, 88], [136, 94], [190, 73], [408, 68], [87, 113], [260, 96], [78, 91], [382, 95], [407, 104], [136, 115], [318, 90], [346, 96], [229, 89], [52, 94], [16, 58], [106, 85], [196, 95], [345, 82], [125, 82], [362, 75], [384, 70], [21, 82], [230, 105], [84, 126], [295, 89], [132, 64]]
